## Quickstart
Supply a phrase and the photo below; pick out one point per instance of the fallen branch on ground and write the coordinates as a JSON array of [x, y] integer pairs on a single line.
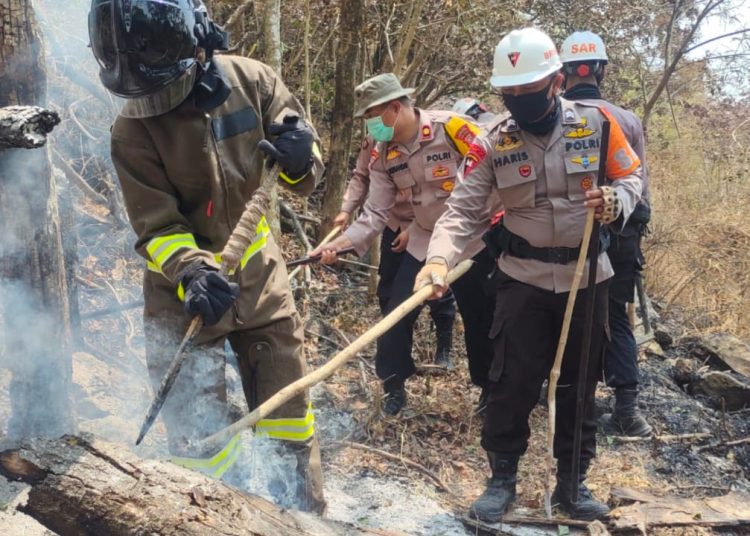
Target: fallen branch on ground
[[398, 458]]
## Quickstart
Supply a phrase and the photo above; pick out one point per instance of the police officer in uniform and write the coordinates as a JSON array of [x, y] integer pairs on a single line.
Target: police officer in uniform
[[418, 153], [393, 244], [545, 186], [189, 148], [584, 59]]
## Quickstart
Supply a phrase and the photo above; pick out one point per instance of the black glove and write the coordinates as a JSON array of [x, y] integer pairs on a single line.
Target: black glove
[[208, 293], [293, 146]]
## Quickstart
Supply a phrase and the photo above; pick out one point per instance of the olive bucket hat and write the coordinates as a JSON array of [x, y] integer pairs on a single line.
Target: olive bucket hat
[[377, 90]]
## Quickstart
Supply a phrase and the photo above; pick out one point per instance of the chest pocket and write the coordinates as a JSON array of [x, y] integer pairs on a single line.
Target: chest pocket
[[516, 183], [236, 135], [440, 179], [581, 170]]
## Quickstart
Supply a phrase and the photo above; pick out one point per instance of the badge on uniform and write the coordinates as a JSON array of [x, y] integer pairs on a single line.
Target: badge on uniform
[[587, 182], [508, 143], [569, 115], [392, 154], [426, 132], [373, 156], [585, 160], [525, 170], [447, 186], [580, 132], [439, 172]]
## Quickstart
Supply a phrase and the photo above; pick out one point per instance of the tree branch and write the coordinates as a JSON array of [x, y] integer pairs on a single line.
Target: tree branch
[[707, 41]]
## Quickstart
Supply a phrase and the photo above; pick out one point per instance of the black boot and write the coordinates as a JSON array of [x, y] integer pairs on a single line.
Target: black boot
[[500, 492], [586, 508], [443, 350], [626, 419], [395, 395]]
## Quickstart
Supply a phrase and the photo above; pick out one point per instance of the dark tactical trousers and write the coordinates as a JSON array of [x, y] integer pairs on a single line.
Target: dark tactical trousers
[[475, 295], [393, 358], [621, 357], [442, 312], [525, 333]]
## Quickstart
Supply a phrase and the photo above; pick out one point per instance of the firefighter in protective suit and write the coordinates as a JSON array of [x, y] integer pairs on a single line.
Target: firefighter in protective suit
[[584, 59], [545, 186], [189, 147]]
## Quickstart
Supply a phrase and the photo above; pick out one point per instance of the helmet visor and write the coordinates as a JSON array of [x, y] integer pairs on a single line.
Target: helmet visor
[[101, 33], [164, 100], [142, 45]]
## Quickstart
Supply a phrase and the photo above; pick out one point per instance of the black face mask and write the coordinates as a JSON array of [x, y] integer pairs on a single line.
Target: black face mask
[[529, 108]]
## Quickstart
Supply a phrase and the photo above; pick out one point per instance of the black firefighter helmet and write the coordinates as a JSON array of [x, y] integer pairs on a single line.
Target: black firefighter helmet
[[148, 50]]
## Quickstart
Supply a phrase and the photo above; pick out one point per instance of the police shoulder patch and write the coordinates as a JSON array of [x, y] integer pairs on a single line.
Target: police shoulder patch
[[462, 133]]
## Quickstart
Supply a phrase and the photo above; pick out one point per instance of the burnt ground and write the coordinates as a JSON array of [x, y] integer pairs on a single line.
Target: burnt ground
[[437, 430]]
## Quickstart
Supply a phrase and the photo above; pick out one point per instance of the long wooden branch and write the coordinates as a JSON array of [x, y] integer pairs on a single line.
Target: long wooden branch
[[26, 127], [554, 374], [327, 370]]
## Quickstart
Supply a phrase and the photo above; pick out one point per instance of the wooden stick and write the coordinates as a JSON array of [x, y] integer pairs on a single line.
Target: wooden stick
[[696, 436], [398, 458], [324, 372], [327, 239], [554, 374]]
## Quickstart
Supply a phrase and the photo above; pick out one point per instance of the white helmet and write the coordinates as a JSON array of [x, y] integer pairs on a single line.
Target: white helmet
[[462, 106], [583, 46], [522, 57]]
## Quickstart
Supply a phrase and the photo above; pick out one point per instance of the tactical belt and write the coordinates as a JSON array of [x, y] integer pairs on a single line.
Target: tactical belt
[[500, 239]]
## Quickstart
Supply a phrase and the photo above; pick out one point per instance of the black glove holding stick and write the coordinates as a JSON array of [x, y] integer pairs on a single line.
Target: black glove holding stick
[[208, 293]]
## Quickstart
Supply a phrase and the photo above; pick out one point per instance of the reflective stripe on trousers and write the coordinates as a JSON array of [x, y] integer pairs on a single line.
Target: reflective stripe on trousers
[[217, 465], [296, 430]]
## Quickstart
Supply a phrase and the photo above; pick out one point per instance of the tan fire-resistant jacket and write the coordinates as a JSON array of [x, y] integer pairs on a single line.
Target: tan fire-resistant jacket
[[541, 182], [186, 177], [359, 186], [424, 171]]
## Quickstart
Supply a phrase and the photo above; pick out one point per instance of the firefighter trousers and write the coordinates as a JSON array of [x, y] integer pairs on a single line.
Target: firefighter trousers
[[269, 357]]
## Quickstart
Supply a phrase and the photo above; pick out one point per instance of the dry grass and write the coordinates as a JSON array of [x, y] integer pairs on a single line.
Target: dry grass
[[698, 253]]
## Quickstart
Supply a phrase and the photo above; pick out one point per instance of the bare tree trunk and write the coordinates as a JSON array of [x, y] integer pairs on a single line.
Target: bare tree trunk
[[82, 487], [35, 289], [270, 47], [352, 20]]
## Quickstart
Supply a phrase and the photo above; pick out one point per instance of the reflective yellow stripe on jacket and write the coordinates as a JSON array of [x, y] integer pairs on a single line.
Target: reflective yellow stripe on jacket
[[162, 248], [299, 430], [217, 465]]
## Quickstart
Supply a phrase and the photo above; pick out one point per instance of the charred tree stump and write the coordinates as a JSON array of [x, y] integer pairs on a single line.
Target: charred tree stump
[[34, 283], [82, 487], [26, 127]]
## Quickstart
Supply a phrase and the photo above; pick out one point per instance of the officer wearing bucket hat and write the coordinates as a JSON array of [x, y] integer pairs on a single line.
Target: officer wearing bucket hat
[[584, 58], [546, 182], [393, 243], [416, 156]]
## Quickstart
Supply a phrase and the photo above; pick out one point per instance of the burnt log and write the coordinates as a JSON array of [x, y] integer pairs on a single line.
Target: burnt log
[[26, 127], [82, 486]]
